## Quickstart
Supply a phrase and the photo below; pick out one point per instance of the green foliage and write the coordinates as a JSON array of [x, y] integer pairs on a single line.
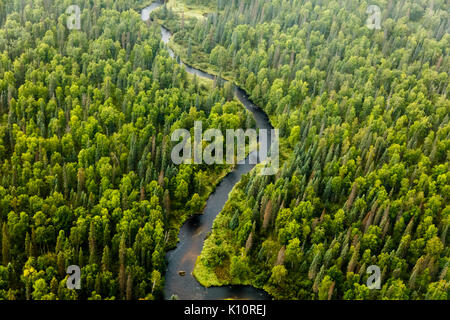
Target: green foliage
[[365, 117], [85, 172]]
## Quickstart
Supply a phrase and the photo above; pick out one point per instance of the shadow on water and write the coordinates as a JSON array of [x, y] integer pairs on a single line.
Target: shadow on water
[[195, 229]]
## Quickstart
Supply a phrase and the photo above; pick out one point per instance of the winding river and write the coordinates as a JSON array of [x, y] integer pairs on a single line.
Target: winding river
[[193, 232]]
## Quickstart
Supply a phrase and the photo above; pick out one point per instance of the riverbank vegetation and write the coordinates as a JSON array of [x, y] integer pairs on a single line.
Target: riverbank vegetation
[[85, 171], [366, 113]]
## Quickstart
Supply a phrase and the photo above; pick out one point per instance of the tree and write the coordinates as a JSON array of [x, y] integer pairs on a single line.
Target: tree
[[181, 191], [40, 289], [195, 204], [437, 290], [5, 246], [326, 288], [129, 287], [239, 269], [234, 223], [278, 276], [219, 57], [294, 253]]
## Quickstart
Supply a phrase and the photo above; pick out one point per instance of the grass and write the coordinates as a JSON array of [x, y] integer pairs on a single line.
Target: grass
[[190, 11], [144, 5], [208, 278]]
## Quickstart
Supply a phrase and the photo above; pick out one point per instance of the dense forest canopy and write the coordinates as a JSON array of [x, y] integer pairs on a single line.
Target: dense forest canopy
[[86, 118], [366, 115], [85, 171]]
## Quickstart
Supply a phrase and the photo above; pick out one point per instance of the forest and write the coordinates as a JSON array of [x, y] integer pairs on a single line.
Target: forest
[[86, 176], [85, 123], [366, 116]]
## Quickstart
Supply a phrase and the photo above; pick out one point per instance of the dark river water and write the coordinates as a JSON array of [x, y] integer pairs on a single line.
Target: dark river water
[[193, 232]]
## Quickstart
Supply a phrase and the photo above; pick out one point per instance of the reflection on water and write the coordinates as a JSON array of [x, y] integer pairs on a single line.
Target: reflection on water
[[194, 231]]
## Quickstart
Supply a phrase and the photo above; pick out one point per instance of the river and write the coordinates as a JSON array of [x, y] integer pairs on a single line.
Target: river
[[195, 229]]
